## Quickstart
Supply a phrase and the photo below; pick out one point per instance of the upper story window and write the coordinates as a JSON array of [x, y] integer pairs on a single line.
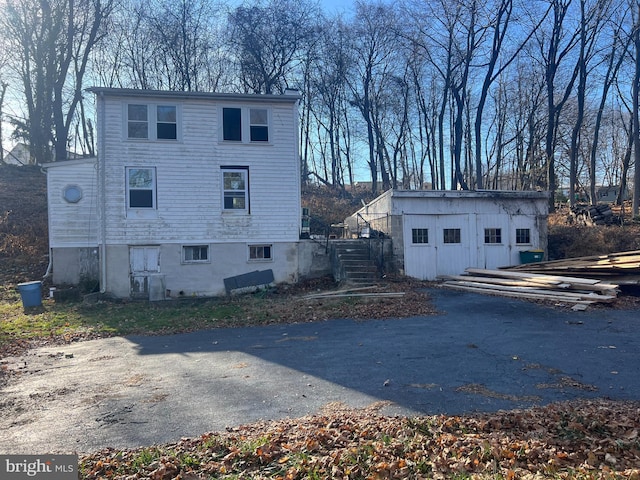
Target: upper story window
[[166, 122], [141, 188], [152, 122], [259, 124], [235, 190], [245, 124], [232, 124], [137, 121]]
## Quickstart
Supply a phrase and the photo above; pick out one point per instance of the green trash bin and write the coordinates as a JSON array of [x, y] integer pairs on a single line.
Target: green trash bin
[[31, 294], [531, 256]]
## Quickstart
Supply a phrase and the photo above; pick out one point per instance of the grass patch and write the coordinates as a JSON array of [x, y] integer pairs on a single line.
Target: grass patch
[[75, 320]]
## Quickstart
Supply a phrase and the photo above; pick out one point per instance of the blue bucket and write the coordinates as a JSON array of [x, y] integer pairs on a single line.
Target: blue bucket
[[31, 293]]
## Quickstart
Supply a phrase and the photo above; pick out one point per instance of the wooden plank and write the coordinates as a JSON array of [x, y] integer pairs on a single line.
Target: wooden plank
[[326, 297], [536, 291], [512, 274], [508, 281], [520, 295]]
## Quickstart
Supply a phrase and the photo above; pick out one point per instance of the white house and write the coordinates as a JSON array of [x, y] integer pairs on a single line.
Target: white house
[[444, 232], [188, 189]]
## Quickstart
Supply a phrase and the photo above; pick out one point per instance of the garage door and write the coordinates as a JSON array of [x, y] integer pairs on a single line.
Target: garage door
[[437, 245]]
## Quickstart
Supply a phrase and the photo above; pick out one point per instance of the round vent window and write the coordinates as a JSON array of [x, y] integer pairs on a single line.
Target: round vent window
[[72, 193]]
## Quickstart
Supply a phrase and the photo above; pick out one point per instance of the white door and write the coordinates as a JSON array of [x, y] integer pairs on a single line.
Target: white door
[[143, 262], [494, 240], [455, 243], [437, 245], [420, 259]]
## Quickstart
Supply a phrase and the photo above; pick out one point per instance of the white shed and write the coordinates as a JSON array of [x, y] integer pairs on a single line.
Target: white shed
[[444, 232]]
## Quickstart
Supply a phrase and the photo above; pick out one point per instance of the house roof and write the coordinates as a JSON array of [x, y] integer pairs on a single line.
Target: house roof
[[140, 93]]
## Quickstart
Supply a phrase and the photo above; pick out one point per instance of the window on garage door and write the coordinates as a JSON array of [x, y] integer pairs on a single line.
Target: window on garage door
[[492, 235], [419, 235], [451, 235]]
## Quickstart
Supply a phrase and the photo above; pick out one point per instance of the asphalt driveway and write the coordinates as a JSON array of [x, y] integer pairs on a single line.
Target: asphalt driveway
[[481, 353]]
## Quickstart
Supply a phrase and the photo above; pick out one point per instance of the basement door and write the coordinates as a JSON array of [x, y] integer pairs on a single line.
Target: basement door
[[143, 262]]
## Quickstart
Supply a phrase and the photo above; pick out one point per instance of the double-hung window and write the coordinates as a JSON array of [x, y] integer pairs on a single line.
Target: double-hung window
[[152, 122], [235, 189], [141, 188], [137, 121], [259, 124], [166, 122], [245, 125]]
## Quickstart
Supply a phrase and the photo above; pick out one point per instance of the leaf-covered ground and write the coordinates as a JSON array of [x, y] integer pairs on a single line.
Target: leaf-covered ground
[[579, 440]]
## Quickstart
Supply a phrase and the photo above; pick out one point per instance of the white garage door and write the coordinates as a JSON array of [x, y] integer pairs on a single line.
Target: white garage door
[[437, 245]]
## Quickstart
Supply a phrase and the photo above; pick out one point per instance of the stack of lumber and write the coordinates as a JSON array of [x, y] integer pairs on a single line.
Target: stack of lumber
[[622, 268], [574, 290]]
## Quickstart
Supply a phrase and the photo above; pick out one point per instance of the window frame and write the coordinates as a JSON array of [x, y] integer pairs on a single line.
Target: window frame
[[519, 232], [139, 121], [248, 129], [192, 261], [153, 189], [152, 122], [419, 234], [164, 122], [493, 236], [231, 129], [262, 246], [455, 240], [247, 206]]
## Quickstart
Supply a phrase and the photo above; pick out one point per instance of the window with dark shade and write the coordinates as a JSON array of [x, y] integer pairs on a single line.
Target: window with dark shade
[[232, 124]]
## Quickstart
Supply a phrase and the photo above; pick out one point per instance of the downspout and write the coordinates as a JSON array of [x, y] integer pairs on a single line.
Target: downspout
[[102, 246], [47, 274]]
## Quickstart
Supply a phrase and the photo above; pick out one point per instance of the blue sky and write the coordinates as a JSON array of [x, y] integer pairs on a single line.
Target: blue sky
[[337, 6]]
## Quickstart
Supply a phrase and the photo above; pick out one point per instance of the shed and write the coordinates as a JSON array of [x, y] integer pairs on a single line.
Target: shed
[[438, 233]]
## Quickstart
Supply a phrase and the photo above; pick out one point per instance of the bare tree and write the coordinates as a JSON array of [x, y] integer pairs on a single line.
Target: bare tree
[[554, 49], [267, 40], [53, 40], [592, 17], [635, 208], [373, 50]]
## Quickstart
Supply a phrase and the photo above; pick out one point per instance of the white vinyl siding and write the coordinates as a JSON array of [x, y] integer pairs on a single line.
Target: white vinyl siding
[[72, 224], [189, 182]]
